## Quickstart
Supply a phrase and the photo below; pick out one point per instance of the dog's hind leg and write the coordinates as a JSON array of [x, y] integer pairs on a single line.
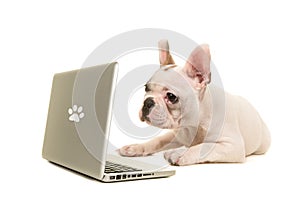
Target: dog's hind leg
[[265, 142]]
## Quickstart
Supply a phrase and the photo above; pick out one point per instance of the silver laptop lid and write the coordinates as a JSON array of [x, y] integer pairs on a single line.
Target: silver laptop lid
[[79, 118]]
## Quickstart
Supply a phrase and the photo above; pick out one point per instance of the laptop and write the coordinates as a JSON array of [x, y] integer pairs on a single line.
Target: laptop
[[78, 127]]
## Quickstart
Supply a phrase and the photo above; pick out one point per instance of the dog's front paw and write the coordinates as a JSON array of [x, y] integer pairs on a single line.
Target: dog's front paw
[[174, 156], [132, 150], [180, 157]]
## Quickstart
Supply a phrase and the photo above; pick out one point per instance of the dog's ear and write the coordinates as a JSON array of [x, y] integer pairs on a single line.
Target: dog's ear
[[197, 66], [165, 57]]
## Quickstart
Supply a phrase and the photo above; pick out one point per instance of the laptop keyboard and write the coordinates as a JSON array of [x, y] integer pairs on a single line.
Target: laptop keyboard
[[118, 168]]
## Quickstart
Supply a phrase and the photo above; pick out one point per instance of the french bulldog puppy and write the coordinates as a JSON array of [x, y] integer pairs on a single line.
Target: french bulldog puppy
[[206, 124]]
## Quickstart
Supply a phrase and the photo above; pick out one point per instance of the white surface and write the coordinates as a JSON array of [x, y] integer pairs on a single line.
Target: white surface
[[255, 46]]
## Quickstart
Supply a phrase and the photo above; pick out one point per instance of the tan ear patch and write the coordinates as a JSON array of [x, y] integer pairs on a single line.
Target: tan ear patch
[[165, 58]]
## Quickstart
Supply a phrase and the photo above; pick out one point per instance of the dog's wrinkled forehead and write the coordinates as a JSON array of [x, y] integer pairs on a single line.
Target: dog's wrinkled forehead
[[170, 79]]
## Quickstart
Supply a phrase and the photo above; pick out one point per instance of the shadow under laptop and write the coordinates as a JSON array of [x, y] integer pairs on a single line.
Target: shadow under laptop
[[73, 171], [93, 179]]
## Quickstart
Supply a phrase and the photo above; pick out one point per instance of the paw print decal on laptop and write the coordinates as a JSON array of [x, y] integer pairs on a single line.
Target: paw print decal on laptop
[[75, 113]]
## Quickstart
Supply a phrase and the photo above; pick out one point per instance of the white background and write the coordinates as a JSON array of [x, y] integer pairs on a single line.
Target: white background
[[254, 44]]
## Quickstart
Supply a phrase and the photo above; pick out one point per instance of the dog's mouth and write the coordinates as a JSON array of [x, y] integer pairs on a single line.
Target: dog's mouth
[[157, 116], [145, 118]]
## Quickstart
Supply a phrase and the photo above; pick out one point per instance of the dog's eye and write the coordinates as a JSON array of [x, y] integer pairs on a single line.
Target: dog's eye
[[147, 88], [172, 97]]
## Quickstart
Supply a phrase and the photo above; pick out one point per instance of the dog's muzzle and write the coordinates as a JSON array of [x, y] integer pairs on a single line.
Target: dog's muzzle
[[148, 105]]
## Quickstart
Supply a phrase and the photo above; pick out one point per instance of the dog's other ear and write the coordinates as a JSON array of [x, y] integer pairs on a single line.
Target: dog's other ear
[[197, 66], [165, 57]]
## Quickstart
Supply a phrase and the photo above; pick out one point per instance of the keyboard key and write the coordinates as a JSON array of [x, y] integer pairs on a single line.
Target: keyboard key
[[118, 168]]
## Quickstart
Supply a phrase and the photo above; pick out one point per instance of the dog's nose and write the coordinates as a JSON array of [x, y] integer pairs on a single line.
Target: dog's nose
[[149, 103]]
